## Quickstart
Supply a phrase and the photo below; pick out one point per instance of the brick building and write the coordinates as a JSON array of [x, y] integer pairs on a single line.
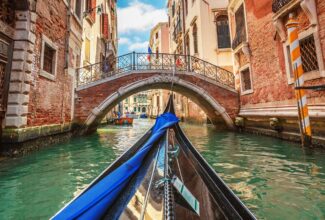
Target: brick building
[[262, 63], [39, 55]]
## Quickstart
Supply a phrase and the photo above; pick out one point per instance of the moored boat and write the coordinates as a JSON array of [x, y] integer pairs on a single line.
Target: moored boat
[[123, 121], [161, 177]]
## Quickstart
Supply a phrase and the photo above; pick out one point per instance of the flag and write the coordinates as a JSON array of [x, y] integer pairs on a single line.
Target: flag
[[178, 62], [149, 53]]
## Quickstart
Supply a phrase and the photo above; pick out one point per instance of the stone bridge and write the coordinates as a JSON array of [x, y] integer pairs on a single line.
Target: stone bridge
[[102, 86]]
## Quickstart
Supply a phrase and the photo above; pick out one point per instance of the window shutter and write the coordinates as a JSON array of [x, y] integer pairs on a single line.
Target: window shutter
[[105, 26], [93, 12]]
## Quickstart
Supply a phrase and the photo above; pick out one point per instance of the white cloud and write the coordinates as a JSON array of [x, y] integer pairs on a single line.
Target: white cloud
[[139, 17], [140, 46], [124, 41]]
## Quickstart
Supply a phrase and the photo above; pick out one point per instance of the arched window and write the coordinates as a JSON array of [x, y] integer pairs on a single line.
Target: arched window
[[186, 7], [144, 109], [195, 40], [223, 32]]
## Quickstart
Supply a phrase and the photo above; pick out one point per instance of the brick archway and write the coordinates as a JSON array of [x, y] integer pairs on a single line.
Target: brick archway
[[94, 100]]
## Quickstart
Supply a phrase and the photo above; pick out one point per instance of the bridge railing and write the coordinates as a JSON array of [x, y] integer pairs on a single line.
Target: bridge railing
[[155, 61]]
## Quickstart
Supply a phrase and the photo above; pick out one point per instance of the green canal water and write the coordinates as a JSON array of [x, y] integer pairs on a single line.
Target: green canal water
[[275, 179]]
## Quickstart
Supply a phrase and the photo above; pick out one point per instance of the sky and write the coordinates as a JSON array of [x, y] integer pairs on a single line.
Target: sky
[[135, 20]]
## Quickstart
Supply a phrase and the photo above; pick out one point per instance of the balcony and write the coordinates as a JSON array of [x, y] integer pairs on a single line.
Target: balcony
[[278, 4], [240, 38]]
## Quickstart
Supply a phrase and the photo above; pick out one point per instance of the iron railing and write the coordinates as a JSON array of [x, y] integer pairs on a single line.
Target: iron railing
[[160, 62], [240, 37], [278, 4]]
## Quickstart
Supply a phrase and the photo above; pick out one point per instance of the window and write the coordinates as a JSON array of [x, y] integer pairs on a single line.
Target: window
[[223, 31], [173, 9], [134, 109], [91, 10], [186, 7], [134, 99], [87, 50], [48, 58], [195, 40], [157, 53], [187, 45], [246, 83], [308, 55], [139, 109], [157, 35], [78, 8], [240, 35], [144, 109]]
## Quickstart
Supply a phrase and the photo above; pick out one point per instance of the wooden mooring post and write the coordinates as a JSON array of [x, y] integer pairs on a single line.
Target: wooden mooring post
[[304, 121]]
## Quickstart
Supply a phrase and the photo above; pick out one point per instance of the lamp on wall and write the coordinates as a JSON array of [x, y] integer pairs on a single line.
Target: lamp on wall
[[98, 8]]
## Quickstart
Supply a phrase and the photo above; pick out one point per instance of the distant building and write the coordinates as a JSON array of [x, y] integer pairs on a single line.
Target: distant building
[[138, 104], [99, 32], [200, 29], [159, 38]]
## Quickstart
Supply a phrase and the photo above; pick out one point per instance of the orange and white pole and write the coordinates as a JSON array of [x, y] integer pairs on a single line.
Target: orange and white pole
[[301, 96]]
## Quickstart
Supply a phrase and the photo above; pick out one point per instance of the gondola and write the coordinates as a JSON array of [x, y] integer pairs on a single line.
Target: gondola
[[161, 177]]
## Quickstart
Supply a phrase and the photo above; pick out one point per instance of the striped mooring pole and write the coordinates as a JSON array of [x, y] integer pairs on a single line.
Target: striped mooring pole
[[304, 121]]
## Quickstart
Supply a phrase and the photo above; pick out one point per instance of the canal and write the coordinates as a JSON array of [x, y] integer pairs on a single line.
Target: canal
[[274, 178]]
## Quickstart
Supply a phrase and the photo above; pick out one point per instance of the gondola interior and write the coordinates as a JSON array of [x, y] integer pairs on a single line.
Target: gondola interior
[[161, 177]]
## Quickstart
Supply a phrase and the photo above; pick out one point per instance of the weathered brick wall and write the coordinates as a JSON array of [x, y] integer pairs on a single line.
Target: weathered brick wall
[[50, 100], [267, 59]]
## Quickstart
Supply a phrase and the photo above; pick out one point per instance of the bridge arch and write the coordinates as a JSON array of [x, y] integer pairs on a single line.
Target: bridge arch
[[219, 103]]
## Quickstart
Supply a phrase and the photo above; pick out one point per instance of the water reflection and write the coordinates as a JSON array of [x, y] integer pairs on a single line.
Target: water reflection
[[275, 179]]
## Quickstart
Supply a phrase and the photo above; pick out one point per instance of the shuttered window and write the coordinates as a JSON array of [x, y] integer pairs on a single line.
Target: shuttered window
[[91, 9], [87, 50], [223, 32], [78, 8], [195, 40], [105, 26]]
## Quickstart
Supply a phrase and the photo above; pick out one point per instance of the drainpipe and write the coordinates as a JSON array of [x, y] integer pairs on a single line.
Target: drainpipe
[[183, 13], [66, 65]]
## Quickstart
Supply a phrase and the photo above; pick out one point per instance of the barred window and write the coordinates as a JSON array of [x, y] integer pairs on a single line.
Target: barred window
[[245, 80], [308, 55], [48, 58]]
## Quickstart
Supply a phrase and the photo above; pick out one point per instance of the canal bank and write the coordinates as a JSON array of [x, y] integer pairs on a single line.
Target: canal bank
[[274, 178]]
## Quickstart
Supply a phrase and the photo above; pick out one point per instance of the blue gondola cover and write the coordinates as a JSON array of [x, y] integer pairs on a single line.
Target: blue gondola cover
[[93, 203]]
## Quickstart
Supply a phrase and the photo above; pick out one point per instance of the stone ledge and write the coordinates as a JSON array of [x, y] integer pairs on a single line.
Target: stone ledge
[[19, 135], [318, 142]]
